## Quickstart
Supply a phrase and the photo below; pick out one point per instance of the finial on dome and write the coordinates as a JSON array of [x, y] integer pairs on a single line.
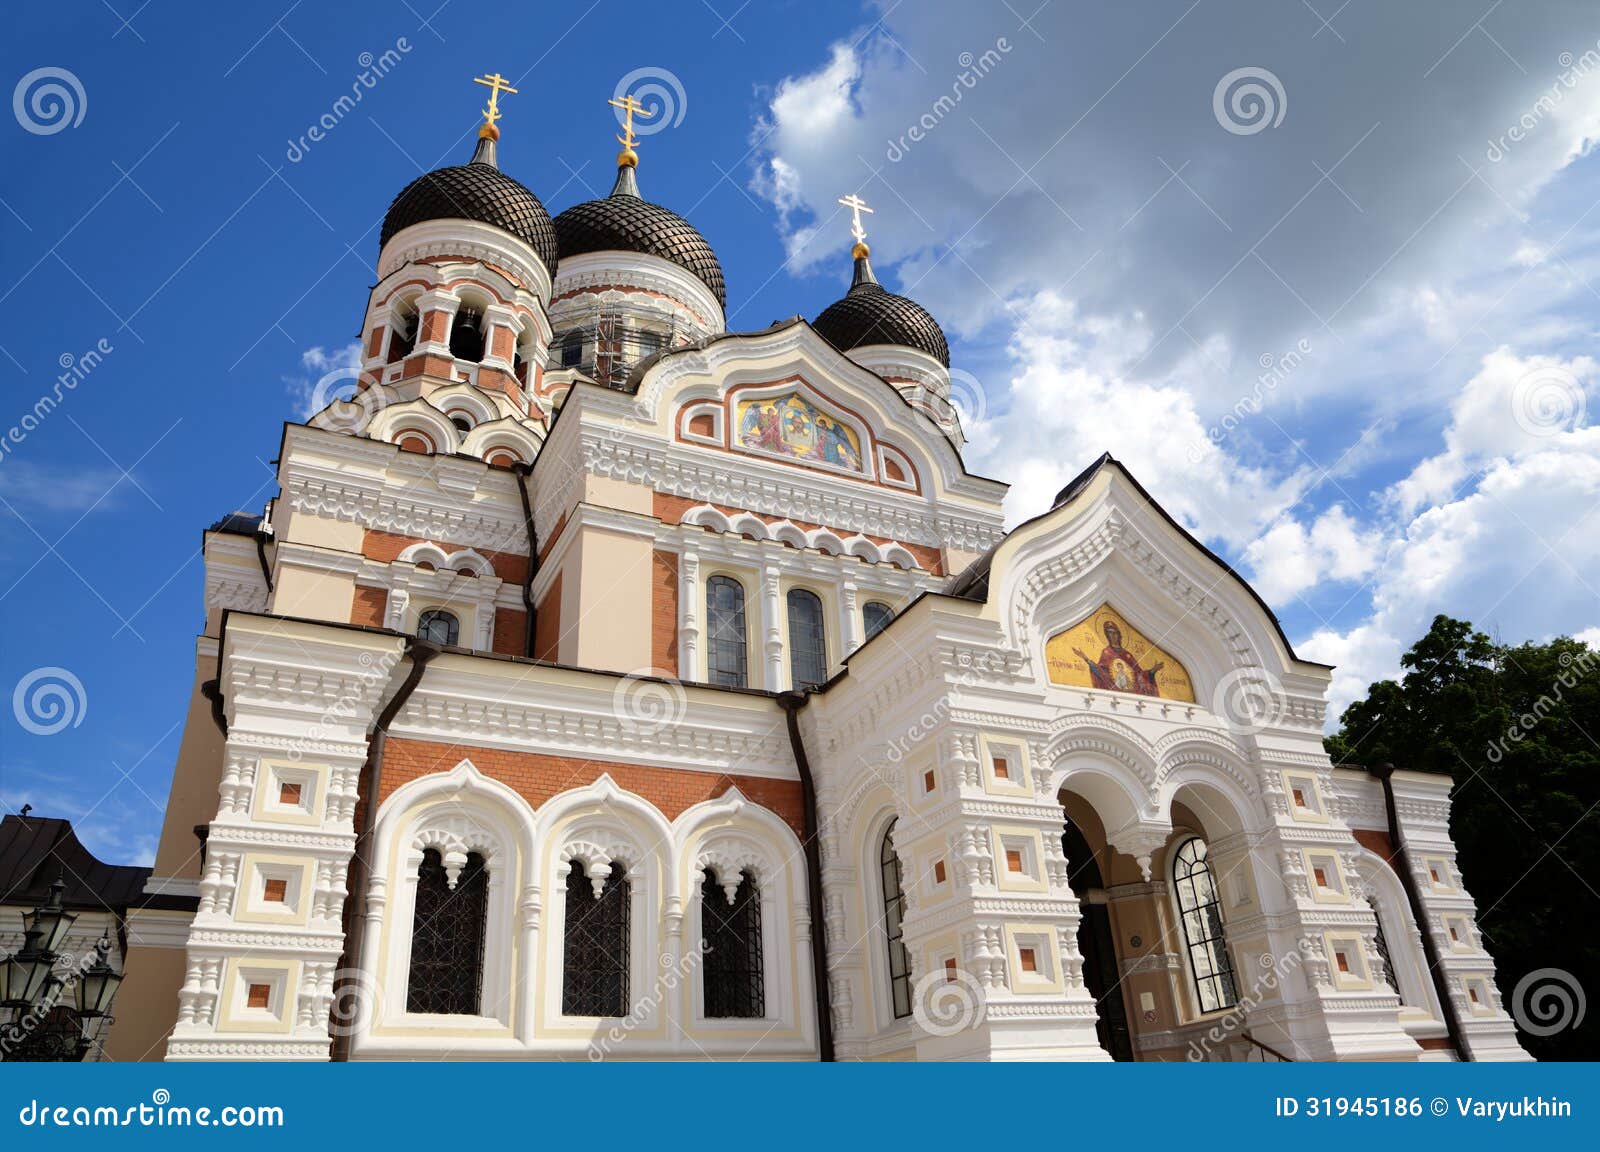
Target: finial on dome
[[628, 107], [857, 206], [488, 132], [496, 84]]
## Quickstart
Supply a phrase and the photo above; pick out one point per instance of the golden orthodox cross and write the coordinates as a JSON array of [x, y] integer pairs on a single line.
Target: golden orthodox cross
[[630, 107], [857, 206], [496, 84]]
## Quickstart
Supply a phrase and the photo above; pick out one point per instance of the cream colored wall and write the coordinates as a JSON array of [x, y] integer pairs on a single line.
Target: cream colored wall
[[608, 492], [609, 624], [304, 528], [147, 1004], [193, 797], [313, 595]]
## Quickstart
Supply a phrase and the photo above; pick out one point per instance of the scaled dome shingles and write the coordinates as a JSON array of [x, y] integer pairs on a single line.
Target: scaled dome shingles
[[870, 314], [625, 223], [477, 192]]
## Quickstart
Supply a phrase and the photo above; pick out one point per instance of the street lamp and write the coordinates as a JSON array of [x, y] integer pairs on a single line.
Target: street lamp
[[30, 987], [97, 985]]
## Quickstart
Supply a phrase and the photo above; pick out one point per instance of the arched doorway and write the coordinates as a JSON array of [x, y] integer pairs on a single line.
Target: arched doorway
[[1096, 939]]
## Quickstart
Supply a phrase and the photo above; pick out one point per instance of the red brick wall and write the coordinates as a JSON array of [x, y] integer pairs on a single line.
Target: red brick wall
[[554, 537], [368, 607], [538, 777], [510, 632], [511, 567], [669, 509], [547, 623], [664, 612], [1374, 841]]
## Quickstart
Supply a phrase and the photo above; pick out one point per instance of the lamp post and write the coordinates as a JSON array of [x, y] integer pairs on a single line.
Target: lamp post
[[30, 989]]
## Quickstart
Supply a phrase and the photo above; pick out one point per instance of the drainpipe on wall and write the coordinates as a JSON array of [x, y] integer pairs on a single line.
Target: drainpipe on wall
[[792, 702], [360, 876], [524, 475], [1408, 880]]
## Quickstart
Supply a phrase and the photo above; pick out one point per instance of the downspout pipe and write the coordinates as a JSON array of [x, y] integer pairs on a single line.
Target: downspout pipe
[[524, 477], [1408, 880], [792, 702], [360, 880]]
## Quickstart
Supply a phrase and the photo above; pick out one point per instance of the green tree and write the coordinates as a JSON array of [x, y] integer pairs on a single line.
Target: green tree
[[1518, 731]]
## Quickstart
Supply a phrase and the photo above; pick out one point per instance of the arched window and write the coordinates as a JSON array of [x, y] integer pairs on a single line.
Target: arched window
[[725, 635], [572, 349], [438, 627], [594, 977], [1201, 910], [1382, 944], [875, 614], [447, 933], [466, 335], [894, 933], [808, 646], [730, 934]]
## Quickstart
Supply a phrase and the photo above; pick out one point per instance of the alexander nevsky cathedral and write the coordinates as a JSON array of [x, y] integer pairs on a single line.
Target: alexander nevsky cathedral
[[604, 684]]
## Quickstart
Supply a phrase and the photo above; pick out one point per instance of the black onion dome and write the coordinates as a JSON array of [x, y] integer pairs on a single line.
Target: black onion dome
[[870, 314], [475, 191], [625, 222]]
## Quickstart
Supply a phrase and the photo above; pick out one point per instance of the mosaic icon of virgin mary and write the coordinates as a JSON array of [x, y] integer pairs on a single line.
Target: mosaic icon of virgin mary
[[1117, 668]]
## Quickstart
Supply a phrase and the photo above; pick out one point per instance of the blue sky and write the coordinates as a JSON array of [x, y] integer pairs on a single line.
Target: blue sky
[[1115, 246]]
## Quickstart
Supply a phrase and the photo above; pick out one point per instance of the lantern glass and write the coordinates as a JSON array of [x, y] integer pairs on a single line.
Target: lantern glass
[[51, 921], [96, 989], [31, 973]]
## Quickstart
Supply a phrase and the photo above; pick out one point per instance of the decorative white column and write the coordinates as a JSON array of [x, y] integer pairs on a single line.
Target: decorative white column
[[689, 596], [849, 630], [394, 616], [772, 628], [429, 302], [498, 318]]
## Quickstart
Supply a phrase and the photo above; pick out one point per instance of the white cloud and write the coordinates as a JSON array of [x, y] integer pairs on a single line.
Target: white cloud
[[1137, 263], [328, 375], [1589, 636], [1518, 556], [1288, 558], [1514, 404]]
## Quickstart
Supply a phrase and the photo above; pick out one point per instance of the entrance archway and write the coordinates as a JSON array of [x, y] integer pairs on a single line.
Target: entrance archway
[[1084, 845]]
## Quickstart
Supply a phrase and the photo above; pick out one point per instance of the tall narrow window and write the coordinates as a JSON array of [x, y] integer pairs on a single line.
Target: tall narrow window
[[447, 932], [808, 647], [725, 634], [594, 978], [731, 941], [894, 933], [876, 616], [572, 349], [438, 627], [1201, 909], [1382, 943]]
